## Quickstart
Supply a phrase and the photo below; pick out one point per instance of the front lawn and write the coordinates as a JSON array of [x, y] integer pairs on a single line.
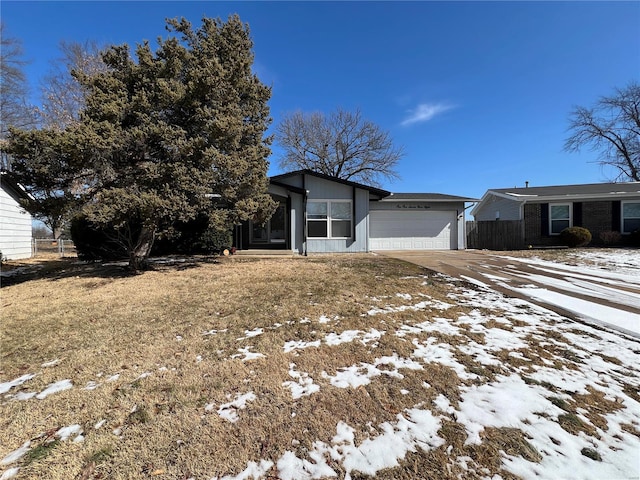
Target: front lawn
[[301, 368]]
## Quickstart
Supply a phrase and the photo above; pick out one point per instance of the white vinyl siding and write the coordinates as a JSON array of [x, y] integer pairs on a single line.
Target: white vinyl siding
[[15, 228], [559, 217], [630, 217]]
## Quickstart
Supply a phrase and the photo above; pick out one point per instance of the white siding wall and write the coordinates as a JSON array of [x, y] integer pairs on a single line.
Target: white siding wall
[[509, 209], [15, 228]]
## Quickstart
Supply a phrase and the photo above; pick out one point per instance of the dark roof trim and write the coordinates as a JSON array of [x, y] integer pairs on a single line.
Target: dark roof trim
[[12, 187], [374, 190], [429, 197], [291, 188]]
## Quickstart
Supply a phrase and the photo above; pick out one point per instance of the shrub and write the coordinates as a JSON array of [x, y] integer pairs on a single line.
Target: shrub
[[610, 238], [575, 236], [94, 243], [634, 239], [193, 237]]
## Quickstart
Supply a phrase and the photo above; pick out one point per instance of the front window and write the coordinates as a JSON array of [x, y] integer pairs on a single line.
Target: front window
[[329, 219], [630, 217], [317, 216], [559, 218]]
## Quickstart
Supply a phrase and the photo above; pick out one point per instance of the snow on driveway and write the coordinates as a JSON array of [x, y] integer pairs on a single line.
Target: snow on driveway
[[605, 290]]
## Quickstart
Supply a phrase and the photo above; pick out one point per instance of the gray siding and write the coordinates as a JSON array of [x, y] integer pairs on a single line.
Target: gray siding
[[509, 209], [294, 181], [15, 228], [321, 189], [330, 190]]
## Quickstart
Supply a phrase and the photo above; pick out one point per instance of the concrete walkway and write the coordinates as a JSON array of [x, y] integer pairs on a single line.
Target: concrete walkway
[[594, 296]]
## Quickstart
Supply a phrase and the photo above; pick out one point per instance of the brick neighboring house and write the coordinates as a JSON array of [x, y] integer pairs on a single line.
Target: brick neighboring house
[[546, 211]]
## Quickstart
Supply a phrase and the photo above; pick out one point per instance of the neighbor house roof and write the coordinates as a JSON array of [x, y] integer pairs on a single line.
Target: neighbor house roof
[[429, 197], [559, 193], [589, 189], [374, 190]]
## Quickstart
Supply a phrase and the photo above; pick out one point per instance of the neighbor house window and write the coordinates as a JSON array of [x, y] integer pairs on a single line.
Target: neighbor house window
[[329, 219], [630, 217], [559, 218]]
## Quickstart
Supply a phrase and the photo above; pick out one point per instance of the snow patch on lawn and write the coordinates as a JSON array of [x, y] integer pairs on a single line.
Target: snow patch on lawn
[[252, 333], [358, 375], [247, 354], [56, 387], [412, 431], [6, 386], [17, 454], [229, 411], [303, 386]]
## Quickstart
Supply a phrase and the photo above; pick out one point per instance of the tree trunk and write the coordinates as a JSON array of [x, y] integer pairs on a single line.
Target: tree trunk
[[139, 254]]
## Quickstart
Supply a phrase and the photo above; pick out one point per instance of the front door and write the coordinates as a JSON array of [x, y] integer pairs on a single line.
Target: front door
[[274, 231]]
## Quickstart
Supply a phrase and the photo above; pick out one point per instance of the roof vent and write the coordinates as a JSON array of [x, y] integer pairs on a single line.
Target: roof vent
[[526, 184]]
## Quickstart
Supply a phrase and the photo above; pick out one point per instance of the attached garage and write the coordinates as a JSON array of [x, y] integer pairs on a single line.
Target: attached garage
[[319, 213], [417, 221], [413, 230]]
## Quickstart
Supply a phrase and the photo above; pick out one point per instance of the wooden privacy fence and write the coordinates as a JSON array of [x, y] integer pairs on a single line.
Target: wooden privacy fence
[[495, 235]]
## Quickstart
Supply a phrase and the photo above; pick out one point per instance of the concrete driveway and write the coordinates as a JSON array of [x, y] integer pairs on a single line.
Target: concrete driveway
[[596, 296]]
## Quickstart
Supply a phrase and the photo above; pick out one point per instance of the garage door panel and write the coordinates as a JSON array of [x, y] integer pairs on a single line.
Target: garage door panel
[[413, 230]]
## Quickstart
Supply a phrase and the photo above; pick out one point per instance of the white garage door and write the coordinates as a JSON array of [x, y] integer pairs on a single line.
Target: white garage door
[[412, 230]]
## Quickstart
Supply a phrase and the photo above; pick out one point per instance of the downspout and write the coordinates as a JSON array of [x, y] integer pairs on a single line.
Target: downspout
[[461, 216], [304, 215], [523, 229], [353, 212]]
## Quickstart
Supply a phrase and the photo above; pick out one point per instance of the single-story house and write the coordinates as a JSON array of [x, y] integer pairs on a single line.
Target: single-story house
[[546, 211], [318, 213], [15, 221]]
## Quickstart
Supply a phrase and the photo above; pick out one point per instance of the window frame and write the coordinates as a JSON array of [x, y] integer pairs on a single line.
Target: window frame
[[551, 219], [329, 219], [623, 218]]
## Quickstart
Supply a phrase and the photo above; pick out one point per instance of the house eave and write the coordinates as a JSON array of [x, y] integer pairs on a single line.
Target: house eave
[[390, 199], [577, 197], [374, 190]]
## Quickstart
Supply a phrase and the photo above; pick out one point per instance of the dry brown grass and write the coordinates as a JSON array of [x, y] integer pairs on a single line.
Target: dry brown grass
[[99, 321]]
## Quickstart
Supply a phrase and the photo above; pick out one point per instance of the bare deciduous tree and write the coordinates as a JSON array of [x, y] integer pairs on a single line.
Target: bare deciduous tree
[[63, 96], [342, 145], [14, 107], [612, 127]]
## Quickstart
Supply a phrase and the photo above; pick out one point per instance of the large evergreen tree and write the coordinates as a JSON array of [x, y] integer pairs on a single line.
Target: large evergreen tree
[[166, 136]]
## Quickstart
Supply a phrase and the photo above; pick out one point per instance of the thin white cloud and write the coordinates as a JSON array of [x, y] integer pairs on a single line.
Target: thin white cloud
[[425, 112]]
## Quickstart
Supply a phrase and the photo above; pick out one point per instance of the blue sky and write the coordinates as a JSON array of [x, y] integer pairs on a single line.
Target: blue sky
[[478, 93]]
